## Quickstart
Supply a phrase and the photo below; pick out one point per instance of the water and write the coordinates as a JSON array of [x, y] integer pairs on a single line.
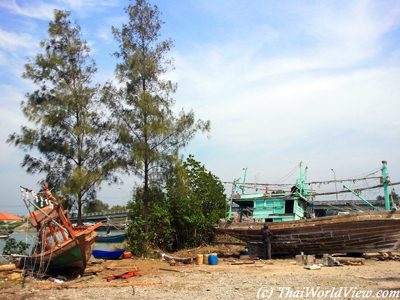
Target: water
[[29, 237]]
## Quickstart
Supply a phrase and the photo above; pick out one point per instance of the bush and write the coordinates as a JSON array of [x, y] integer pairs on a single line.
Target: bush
[[159, 233], [14, 247], [183, 215]]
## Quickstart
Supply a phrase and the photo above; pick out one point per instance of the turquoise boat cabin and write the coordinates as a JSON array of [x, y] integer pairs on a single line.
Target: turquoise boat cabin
[[279, 205], [272, 206]]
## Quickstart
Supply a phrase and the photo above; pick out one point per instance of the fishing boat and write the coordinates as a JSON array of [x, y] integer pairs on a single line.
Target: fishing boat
[[60, 247], [281, 223], [103, 254], [5, 234], [117, 238], [107, 227]]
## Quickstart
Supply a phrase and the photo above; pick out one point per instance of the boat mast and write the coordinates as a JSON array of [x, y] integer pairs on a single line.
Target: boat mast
[[386, 182], [301, 182], [237, 189]]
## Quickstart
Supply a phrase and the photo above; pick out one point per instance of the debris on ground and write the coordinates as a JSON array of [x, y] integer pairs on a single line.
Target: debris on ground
[[313, 267], [169, 270], [383, 256], [96, 284], [330, 261], [243, 263], [7, 267], [125, 275], [169, 258], [93, 269], [305, 260], [351, 261], [14, 276]]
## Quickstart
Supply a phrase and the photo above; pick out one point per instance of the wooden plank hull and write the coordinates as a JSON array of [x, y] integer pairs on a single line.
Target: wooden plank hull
[[355, 233], [68, 258]]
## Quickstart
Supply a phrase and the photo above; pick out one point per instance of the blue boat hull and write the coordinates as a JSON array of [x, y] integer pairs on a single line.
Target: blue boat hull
[[116, 254]]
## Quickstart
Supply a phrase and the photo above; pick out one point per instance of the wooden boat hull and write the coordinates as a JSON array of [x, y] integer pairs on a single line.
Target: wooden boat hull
[[355, 233], [68, 258], [110, 238]]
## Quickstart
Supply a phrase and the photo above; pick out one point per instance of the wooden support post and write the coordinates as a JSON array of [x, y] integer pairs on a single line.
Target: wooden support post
[[267, 242]]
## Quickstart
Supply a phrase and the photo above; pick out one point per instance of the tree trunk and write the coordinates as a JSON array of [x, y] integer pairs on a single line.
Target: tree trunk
[[146, 195], [146, 167]]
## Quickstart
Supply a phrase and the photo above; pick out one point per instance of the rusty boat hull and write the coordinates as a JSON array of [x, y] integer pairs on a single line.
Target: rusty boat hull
[[375, 231]]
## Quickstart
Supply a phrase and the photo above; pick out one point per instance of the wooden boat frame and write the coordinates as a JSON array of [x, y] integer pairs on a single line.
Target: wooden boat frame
[[374, 231], [60, 246]]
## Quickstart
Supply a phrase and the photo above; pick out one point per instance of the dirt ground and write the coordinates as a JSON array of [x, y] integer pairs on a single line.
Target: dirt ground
[[261, 279]]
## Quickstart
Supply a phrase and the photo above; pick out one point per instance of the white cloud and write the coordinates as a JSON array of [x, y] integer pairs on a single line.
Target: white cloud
[[11, 41], [32, 9], [79, 4], [14, 48], [11, 117], [104, 33], [43, 10], [336, 97], [354, 34]]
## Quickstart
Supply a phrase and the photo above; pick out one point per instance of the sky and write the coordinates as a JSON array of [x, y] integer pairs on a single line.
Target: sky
[[280, 81]]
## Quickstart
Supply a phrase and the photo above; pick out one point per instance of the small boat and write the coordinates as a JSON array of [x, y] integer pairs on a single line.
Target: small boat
[[5, 234], [60, 248], [108, 226], [118, 238], [115, 254]]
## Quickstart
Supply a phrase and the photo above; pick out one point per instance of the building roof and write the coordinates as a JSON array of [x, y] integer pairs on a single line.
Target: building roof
[[9, 217]]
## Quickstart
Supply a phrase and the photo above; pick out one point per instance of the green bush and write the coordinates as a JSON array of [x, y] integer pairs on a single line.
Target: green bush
[[159, 233], [182, 215], [14, 247]]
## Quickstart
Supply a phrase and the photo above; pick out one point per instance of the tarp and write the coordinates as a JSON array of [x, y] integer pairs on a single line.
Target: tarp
[[9, 217]]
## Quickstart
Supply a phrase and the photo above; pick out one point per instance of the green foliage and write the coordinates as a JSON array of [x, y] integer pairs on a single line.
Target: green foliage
[[14, 247], [8, 226], [198, 200], [147, 132], [159, 233], [70, 130], [393, 195], [95, 206], [183, 215], [118, 208]]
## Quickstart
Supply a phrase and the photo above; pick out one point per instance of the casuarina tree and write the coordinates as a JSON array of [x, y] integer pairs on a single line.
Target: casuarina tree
[[148, 133], [68, 139]]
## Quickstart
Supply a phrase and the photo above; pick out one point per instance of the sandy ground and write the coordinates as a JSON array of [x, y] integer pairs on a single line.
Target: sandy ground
[[274, 279]]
